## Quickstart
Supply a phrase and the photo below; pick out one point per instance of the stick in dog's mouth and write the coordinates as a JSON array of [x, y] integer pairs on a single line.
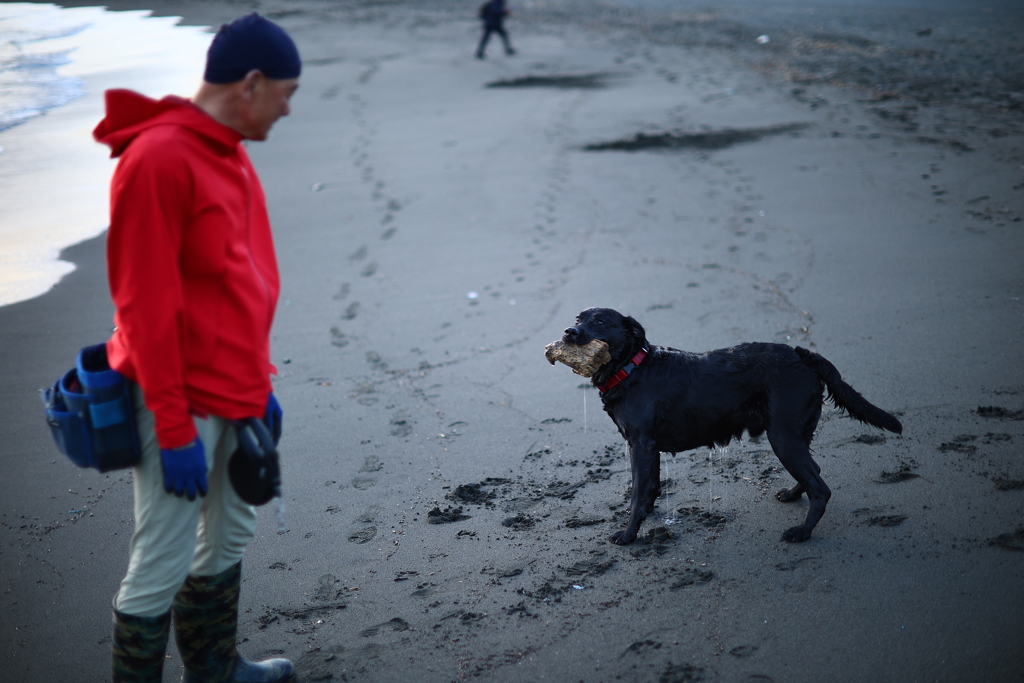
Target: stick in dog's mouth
[[583, 360]]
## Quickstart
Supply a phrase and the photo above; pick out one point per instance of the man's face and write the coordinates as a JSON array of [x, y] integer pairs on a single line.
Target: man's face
[[269, 100]]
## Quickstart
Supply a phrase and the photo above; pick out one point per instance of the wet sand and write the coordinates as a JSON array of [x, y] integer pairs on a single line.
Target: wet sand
[[450, 494]]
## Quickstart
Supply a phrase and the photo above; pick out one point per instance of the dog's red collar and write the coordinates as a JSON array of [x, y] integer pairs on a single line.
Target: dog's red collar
[[624, 372]]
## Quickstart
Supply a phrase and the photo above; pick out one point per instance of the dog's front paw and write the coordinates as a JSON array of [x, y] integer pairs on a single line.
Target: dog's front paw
[[797, 534], [624, 537]]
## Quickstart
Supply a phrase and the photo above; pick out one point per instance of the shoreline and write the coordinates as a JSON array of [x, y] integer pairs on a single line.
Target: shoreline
[[54, 177], [400, 184]]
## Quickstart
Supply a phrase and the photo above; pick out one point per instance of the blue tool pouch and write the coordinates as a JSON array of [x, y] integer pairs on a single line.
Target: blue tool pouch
[[91, 413]]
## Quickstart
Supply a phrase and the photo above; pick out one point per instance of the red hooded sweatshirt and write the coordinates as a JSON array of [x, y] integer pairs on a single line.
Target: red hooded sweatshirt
[[191, 264]]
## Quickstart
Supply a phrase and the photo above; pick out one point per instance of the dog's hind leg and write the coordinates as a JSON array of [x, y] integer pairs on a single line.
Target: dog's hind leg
[[795, 455], [793, 494], [644, 461]]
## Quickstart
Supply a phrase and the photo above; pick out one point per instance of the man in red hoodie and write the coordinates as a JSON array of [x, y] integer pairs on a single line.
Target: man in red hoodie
[[194, 281]]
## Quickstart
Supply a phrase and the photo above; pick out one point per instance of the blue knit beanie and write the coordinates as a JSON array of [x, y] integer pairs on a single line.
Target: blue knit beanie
[[251, 42]]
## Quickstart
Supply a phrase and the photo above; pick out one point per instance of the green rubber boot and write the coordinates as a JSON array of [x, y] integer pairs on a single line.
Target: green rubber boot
[[205, 625], [139, 647]]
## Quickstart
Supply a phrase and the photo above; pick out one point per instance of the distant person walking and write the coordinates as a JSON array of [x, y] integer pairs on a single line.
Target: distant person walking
[[194, 281], [493, 13]]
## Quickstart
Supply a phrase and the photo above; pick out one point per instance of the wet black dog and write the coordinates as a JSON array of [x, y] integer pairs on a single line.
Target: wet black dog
[[665, 401]]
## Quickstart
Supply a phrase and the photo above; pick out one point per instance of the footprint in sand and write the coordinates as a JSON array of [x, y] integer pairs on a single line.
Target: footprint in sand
[[1000, 413], [872, 519], [510, 569], [904, 473], [396, 624], [371, 464], [369, 515], [1007, 484], [363, 483], [338, 338], [375, 360], [364, 394], [327, 588], [400, 426], [641, 647], [424, 590], [886, 520], [1013, 540], [363, 535]]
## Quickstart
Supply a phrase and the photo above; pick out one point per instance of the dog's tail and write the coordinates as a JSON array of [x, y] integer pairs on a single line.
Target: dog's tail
[[846, 397]]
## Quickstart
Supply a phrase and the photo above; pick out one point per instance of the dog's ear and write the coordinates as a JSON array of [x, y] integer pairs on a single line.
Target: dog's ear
[[634, 329]]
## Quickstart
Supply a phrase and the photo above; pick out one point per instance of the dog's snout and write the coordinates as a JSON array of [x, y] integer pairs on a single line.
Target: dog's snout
[[571, 332]]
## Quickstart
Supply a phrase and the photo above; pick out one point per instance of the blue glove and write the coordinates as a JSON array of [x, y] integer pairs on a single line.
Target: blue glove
[[185, 469], [273, 418]]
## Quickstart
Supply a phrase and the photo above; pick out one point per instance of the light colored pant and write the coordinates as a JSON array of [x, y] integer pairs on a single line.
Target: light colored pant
[[175, 537]]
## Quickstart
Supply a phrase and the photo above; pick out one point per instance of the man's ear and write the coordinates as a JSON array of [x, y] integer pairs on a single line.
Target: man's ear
[[251, 83]]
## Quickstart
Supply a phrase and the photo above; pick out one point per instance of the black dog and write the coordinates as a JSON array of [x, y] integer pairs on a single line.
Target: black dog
[[665, 401]]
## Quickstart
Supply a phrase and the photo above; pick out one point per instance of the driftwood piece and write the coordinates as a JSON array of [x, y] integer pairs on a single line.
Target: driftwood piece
[[583, 360]]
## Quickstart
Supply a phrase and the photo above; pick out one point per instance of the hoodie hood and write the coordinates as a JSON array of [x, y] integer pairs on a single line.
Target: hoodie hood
[[129, 113]]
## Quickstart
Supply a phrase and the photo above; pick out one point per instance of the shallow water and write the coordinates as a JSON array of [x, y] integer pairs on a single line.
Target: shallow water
[[55, 64], [29, 82]]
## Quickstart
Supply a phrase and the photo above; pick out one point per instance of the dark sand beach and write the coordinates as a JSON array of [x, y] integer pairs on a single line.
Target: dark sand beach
[[854, 185]]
